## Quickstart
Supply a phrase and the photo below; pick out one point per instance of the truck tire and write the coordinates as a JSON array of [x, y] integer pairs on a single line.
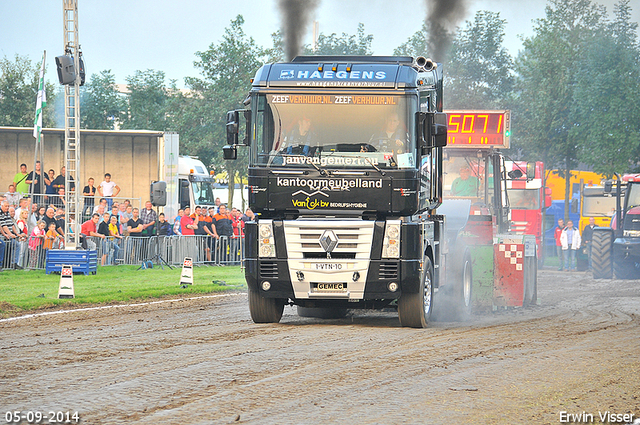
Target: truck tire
[[265, 310], [414, 310], [601, 254], [322, 312], [624, 269], [464, 283]]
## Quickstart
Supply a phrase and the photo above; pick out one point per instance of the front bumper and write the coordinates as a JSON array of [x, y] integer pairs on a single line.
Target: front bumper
[[371, 283]]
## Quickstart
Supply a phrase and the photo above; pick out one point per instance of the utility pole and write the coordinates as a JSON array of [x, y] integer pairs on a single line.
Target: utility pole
[[72, 129]]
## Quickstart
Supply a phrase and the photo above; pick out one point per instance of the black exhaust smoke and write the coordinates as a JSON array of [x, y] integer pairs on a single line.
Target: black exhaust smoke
[[442, 18], [296, 15]]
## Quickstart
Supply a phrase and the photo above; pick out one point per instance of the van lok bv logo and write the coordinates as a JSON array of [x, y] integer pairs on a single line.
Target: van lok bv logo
[[309, 203]]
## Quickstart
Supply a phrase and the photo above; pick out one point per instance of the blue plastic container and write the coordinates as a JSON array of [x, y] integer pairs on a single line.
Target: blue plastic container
[[83, 261]]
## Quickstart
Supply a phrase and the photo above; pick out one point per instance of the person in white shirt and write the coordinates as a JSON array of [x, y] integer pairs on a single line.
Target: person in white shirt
[[12, 196], [108, 189], [570, 240]]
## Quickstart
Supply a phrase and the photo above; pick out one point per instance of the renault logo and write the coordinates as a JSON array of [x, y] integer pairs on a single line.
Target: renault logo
[[328, 241]]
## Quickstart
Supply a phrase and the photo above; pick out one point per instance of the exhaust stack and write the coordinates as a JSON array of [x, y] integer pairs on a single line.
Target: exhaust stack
[[424, 64]]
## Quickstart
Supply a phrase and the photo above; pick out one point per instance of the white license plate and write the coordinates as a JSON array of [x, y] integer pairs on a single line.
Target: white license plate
[[330, 287], [329, 267]]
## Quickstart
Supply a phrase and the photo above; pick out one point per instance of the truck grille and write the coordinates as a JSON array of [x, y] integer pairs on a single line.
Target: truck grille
[[388, 271], [354, 238], [268, 270]]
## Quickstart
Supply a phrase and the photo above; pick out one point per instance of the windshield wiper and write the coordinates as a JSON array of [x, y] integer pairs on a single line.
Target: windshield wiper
[[372, 164], [322, 171]]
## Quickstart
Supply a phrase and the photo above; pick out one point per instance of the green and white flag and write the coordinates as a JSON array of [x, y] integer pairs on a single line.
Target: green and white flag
[[41, 102]]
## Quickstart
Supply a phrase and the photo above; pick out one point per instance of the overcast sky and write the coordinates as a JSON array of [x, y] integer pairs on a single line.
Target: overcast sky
[[129, 35]]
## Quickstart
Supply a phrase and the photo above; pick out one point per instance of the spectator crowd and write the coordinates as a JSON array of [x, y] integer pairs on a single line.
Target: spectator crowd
[[32, 220]]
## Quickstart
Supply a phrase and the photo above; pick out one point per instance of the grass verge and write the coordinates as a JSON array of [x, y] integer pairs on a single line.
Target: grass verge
[[28, 291]]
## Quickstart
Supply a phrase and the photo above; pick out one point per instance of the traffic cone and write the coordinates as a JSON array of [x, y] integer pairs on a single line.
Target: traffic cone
[[186, 277], [65, 289]]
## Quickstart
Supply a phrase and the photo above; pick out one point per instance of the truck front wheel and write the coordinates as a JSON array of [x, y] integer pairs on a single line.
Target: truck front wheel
[[414, 310], [265, 310], [464, 283]]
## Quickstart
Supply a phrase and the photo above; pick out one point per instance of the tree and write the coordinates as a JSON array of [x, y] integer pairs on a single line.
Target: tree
[[101, 105], [276, 52], [147, 100], [226, 70], [608, 97], [416, 45], [548, 69], [332, 45], [19, 91], [479, 74]]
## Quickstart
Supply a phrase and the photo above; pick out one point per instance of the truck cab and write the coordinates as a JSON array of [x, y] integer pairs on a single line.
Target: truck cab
[[195, 182], [345, 160], [528, 199], [616, 249]]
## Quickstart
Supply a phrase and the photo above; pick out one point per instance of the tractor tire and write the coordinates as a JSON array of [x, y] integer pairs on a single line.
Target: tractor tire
[[265, 310], [322, 312], [602, 254], [624, 269], [414, 310]]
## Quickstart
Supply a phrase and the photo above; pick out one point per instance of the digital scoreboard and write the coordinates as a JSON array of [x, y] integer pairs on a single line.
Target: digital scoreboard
[[473, 129]]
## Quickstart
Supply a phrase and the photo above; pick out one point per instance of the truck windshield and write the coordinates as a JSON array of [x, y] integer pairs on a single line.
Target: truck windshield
[[203, 193], [633, 200], [464, 178], [524, 199], [336, 131], [598, 206]]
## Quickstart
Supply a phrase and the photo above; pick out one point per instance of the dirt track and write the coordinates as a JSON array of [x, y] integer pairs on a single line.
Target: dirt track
[[203, 361]]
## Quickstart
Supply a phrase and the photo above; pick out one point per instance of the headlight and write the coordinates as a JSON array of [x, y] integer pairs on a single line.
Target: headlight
[[265, 251], [393, 232], [266, 243], [265, 230], [391, 242]]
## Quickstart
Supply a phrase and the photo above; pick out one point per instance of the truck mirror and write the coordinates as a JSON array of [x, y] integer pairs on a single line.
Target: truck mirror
[[574, 206], [230, 152], [247, 118], [158, 195], [439, 129], [232, 127], [531, 170], [433, 129], [547, 197], [608, 186]]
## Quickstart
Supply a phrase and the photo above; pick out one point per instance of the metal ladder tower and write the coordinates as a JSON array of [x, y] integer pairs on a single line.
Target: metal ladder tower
[[72, 130]]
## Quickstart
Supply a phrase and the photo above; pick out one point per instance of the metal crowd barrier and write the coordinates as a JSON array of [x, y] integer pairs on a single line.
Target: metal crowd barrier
[[131, 250], [23, 254]]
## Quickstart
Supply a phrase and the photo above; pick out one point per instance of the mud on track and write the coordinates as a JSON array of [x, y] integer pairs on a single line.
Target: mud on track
[[203, 361]]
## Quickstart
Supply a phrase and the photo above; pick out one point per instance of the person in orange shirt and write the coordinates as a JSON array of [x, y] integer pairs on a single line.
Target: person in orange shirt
[[224, 228]]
